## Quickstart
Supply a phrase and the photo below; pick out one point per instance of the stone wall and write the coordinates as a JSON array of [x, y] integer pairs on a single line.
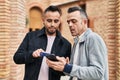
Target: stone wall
[[4, 39], [12, 31], [102, 13], [17, 33], [117, 35], [104, 19]]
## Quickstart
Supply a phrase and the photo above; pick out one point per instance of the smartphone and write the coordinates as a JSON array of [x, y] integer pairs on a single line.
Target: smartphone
[[51, 57]]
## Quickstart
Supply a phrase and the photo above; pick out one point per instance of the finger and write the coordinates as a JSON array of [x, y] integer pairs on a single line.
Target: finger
[[36, 54], [58, 67], [61, 59], [40, 50], [67, 59], [33, 54], [51, 63], [55, 65]]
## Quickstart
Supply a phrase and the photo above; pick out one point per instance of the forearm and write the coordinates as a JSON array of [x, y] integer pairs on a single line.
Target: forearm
[[23, 57], [90, 73]]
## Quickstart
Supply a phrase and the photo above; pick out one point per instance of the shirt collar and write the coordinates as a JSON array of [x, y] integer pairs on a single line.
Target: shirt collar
[[78, 38]]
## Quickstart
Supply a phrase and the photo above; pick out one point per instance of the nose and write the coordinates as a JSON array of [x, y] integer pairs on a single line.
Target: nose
[[70, 24], [52, 24]]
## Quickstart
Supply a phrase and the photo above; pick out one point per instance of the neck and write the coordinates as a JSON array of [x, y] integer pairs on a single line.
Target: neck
[[51, 34], [83, 30]]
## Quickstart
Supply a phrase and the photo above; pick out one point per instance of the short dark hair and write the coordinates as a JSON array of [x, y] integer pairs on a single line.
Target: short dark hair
[[83, 13], [53, 9]]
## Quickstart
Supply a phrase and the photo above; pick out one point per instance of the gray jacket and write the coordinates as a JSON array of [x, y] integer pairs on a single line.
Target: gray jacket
[[92, 58]]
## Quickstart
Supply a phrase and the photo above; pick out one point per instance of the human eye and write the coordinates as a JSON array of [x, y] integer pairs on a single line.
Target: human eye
[[49, 20], [74, 20], [68, 21], [56, 21]]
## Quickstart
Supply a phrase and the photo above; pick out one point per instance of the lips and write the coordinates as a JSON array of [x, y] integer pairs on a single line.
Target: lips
[[51, 29], [72, 31]]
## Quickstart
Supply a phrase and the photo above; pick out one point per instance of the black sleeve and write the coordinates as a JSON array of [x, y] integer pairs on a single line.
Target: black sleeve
[[23, 55]]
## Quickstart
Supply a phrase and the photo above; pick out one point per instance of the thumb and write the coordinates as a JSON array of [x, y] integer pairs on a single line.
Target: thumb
[[58, 58], [61, 59], [67, 59]]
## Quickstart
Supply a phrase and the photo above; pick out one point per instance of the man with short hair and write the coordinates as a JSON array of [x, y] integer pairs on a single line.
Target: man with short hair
[[89, 58], [48, 40]]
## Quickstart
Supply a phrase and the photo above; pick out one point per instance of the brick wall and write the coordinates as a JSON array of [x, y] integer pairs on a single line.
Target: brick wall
[[17, 32], [4, 39], [117, 29], [12, 31], [111, 40], [102, 13], [114, 39], [102, 16]]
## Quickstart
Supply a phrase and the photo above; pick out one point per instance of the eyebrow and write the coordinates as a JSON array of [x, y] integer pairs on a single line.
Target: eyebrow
[[71, 19]]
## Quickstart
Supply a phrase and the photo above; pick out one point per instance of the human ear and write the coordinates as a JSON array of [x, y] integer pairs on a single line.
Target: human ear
[[85, 21]]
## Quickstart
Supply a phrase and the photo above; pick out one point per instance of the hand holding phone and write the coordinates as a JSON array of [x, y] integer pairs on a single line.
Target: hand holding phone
[[51, 57]]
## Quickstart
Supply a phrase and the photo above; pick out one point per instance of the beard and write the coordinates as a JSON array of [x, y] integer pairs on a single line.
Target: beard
[[51, 31]]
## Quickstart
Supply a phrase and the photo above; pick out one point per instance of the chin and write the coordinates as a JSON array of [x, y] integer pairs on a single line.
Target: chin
[[52, 30], [51, 33], [73, 34]]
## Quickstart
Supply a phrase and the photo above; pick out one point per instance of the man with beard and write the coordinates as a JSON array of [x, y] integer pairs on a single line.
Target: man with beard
[[48, 40], [89, 58]]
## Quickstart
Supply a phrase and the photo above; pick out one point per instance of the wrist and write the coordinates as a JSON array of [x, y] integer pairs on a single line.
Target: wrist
[[67, 68]]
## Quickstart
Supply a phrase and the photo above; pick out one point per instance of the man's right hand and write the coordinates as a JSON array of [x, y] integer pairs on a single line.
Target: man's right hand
[[58, 65], [37, 52]]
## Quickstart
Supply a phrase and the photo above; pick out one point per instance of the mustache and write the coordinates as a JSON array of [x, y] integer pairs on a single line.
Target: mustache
[[51, 26]]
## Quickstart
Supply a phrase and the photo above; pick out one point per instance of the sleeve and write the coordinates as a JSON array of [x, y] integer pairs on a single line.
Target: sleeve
[[97, 60], [23, 55], [69, 50], [67, 68], [68, 54]]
